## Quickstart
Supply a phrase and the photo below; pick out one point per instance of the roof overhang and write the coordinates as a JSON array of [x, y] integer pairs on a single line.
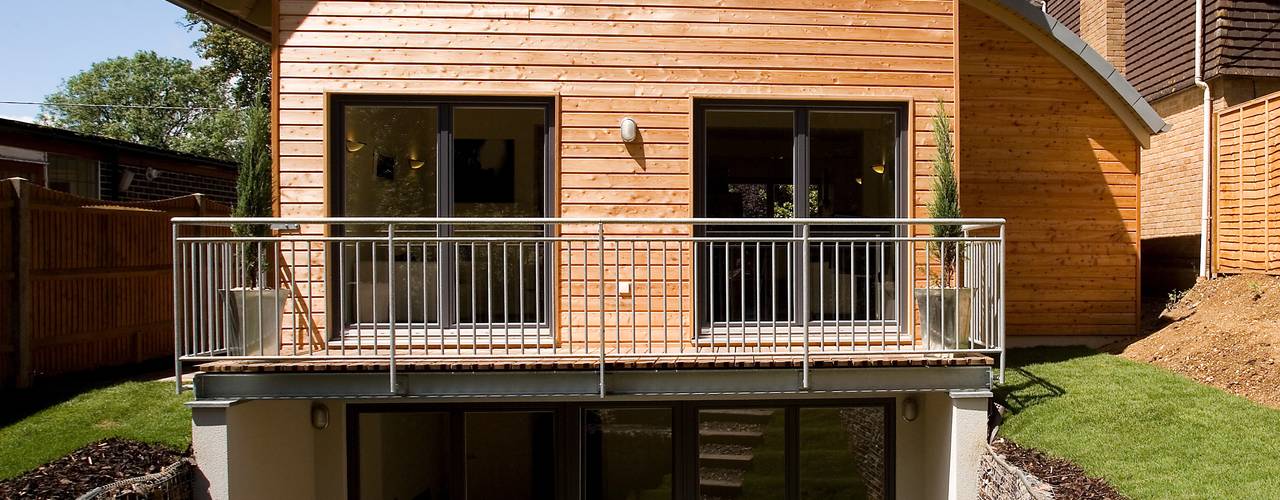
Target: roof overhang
[[1104, 79], [251, 18]]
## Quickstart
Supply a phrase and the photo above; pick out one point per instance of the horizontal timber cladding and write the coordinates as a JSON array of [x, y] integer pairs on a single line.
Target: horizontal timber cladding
[[1055, 161], [643, 59], [1247, 187]]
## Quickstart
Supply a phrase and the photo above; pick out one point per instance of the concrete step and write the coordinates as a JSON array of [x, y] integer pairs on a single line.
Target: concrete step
[[725, 460], [719, 487], [729, 436], [743, 415]]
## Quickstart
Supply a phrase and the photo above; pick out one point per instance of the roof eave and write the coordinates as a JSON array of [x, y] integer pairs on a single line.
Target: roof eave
[[224, 17], [1142, 120]]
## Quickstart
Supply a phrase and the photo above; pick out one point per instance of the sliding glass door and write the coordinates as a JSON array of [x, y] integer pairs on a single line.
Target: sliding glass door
[[420, 157], [787, 161]]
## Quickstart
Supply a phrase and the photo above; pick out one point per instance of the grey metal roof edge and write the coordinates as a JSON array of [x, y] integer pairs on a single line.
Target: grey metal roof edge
[[1089, 57]]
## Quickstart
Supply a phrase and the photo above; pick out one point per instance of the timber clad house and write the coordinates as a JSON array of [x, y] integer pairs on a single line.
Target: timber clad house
[[628, 249]]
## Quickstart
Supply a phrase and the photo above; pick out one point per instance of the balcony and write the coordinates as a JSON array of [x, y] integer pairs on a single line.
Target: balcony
[[446, 294]]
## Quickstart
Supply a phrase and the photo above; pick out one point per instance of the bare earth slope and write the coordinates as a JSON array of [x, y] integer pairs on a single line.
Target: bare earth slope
[[1225, 333]]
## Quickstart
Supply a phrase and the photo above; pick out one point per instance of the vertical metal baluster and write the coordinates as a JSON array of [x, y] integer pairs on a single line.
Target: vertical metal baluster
[[728, 317], [275, 267], [866, 304], [391, 306], [373, 297], [742, 294], [179, 337], [880, 293], [928, 292], [822, 294], [506, 313], [426, 309], [586, 298], [631, 250], [488, 291], [711, 299], [666, 297], [600, 268], [759, 329], [942, 301], [569, 291], [520, 292], [475, 342], [617, 298], [835, 278], [804, 306], [773, 293], [537, 297]]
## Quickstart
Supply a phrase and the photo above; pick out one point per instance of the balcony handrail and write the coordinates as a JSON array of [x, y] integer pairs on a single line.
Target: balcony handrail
[[838, 311], [706, 221]]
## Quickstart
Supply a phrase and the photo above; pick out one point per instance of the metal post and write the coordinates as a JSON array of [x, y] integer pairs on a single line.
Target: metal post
[[177, 314], [1000, 269], [391, 304], [804, 304], [600, 265]]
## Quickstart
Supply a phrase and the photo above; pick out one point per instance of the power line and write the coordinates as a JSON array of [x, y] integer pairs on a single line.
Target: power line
[[130, 106]]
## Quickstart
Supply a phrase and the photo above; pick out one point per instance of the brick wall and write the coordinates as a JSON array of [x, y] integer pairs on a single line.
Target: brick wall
[[1102, 27], [1171, 169], [169, 184]]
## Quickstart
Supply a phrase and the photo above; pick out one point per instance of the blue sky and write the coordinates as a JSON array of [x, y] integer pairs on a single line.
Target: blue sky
[[45, 42]]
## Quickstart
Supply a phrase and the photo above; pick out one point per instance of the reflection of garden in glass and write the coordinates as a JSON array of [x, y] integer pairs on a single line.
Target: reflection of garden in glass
[[766, 477], [839, 448], [627, 454]]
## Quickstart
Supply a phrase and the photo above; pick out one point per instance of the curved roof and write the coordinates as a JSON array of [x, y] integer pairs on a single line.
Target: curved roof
[[1056, 38]]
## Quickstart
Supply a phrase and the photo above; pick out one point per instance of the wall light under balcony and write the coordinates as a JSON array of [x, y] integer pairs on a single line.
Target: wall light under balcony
[[319, 416], [910, 409]]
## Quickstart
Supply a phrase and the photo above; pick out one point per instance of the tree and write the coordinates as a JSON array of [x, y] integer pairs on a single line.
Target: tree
[[149, 99], [946, 195], [244, 64]]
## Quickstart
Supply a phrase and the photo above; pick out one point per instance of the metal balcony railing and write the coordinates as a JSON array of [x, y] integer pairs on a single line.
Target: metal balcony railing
[[594, 289]]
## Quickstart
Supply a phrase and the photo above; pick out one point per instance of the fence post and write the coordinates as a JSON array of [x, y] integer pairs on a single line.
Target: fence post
[[22, 284]]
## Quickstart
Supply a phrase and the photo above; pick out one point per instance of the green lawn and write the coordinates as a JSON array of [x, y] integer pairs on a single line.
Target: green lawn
[[1150, 432], [142, 411]]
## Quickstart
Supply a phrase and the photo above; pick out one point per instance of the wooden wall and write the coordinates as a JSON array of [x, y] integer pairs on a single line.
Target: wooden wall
[[606, 60], [1039, 148], [1246, 233]]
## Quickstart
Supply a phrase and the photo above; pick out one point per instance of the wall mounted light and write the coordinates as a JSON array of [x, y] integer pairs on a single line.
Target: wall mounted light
[[415, 163], [879, 167], [858, 180], [910, 409], [630, 131], [354, 145], [126, 180], [319, 416]]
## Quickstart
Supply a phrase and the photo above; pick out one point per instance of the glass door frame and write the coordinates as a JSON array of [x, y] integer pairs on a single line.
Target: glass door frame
[[568, 419], [801, 169], [446, 261]]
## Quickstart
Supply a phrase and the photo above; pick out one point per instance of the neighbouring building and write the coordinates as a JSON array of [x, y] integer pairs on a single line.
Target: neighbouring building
[[107, 169], [652, 249], [1153, 43]]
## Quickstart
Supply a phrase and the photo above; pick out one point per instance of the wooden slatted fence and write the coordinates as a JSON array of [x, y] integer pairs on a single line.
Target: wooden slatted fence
[[1246, 232], [85, 284]]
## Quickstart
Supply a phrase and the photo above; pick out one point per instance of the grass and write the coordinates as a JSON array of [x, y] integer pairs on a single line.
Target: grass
[[1150, 432], [142, 411]]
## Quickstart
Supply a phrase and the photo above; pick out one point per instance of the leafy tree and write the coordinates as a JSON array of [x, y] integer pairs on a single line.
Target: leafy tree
[[244, 64], [149, 99]]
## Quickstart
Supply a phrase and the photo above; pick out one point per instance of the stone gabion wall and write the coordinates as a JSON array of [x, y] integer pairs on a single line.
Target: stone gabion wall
[[1000, 480]]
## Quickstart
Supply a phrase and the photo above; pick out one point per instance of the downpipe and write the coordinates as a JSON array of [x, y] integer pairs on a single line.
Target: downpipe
[[1205, 147]]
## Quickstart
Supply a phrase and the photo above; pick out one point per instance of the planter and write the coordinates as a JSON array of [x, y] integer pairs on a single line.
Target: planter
[[253, 325], [945, 314]]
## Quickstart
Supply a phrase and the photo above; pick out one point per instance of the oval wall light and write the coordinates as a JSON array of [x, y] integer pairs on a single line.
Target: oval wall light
[[630, 131], [910, 409]]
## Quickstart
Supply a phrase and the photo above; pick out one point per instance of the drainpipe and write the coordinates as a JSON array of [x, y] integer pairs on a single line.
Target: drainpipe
[[1205, 162]]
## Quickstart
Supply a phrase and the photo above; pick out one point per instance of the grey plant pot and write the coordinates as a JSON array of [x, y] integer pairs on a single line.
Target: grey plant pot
[[945, 315], [253, 322]]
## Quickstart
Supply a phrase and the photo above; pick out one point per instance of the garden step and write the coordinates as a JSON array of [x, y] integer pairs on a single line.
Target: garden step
[[738, 415], [729, 436], [726, 460], [719, 487]]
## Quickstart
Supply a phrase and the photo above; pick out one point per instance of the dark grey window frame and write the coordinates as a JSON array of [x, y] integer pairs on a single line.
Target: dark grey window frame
[[445, 105], [569, 438], [800, 178]]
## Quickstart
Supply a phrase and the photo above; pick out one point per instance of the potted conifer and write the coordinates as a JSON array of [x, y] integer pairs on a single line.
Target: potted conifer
[[945, 306], [254, 323]]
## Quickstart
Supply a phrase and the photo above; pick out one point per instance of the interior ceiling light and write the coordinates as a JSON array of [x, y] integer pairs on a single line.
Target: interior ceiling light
[[353, 145]]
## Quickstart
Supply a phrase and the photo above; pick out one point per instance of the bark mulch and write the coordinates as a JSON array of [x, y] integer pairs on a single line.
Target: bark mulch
[[97, 464], [1067, 479]]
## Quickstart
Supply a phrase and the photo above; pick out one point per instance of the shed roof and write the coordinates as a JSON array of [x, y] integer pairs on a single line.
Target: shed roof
[[13, 128]]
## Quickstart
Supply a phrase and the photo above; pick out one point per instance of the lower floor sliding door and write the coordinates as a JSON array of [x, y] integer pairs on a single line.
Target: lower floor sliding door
[[681, 450]]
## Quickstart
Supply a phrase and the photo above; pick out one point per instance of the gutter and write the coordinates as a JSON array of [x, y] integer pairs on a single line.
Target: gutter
[[1205, 146]]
